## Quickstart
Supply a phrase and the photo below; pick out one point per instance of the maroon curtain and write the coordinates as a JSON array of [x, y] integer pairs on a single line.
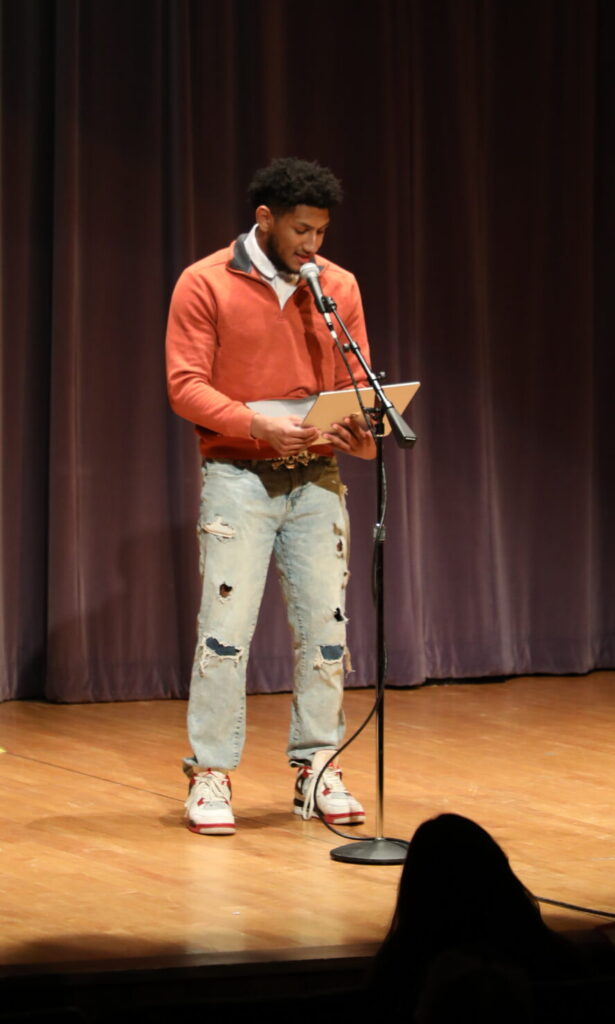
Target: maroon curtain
[[475, 141]]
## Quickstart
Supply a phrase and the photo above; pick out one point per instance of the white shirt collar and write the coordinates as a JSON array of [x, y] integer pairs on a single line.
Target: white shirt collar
[[258, 258]]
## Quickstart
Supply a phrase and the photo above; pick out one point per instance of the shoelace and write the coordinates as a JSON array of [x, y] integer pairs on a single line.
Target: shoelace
[[331, 780], [211, 787]]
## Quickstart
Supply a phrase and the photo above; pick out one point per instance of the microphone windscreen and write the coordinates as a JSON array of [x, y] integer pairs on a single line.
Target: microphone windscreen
[[309, 270]]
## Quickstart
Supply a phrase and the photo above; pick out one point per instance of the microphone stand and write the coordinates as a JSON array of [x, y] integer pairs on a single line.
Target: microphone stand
[[378, 849]]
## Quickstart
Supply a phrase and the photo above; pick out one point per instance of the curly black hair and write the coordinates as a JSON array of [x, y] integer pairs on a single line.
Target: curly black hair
[[288, 182]]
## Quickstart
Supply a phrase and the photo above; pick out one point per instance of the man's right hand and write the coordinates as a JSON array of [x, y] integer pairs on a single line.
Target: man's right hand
[[284, 433]]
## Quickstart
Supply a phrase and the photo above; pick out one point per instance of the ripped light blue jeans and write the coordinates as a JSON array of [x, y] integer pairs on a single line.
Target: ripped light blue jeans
[[249, 511]]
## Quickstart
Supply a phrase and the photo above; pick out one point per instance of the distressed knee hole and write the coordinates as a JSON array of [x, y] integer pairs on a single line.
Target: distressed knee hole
[[212, 648], [219, 529], [333, 654], [225, 591], [329, 654], [222, 650], [339, 616]]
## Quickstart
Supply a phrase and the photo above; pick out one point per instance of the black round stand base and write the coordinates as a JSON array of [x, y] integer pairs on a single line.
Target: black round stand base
[[372, 851]]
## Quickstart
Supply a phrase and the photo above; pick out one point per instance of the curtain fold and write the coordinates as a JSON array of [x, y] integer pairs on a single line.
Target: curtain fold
[[475, 142]]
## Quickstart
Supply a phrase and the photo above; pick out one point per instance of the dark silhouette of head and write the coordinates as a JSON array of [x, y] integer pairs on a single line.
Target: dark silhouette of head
[[458, 894], [458, 886]]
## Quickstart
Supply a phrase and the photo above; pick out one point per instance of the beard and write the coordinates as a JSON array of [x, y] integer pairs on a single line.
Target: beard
[[272, 251]]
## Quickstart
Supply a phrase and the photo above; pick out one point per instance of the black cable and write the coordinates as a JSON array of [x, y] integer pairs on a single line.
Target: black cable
[[378, 534], [572, 906], [334, 755]]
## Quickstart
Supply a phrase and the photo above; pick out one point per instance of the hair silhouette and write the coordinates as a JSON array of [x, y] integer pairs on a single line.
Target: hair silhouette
[[458, 892]]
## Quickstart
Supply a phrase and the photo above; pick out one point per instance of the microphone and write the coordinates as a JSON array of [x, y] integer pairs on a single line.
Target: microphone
[[310, 272]]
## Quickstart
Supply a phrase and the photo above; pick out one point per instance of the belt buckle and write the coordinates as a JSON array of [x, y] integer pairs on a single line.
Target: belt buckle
[[292, 461]]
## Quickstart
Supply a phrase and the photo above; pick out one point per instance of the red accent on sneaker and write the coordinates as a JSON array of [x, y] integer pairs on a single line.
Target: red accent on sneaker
[[208, 807]]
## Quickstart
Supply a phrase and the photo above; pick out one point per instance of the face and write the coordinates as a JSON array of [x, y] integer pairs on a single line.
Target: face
[[292, 238]]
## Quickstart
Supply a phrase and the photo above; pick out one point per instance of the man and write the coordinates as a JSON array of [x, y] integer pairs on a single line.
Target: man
[[243, 327]]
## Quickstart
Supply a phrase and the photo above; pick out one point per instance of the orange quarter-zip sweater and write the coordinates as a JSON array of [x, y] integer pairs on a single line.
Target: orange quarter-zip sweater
[[229, 342]]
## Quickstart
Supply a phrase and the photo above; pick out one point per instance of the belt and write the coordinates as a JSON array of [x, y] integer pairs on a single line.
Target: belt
[[300, 459], [303, 458]]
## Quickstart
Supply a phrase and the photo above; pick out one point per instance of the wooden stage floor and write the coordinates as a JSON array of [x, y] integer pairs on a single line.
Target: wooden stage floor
[[98, 868]]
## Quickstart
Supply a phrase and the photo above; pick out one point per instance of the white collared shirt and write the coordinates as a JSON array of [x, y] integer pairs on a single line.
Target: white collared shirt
[[283, 288]]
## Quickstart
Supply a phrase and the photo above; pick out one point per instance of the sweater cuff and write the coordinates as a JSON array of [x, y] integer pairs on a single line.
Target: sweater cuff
[[238, 422]]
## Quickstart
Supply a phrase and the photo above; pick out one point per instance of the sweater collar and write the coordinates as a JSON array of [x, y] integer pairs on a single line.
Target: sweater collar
[[240, 259]]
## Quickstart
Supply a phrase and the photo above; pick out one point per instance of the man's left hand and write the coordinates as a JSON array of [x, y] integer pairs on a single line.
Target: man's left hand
[[350, 437]]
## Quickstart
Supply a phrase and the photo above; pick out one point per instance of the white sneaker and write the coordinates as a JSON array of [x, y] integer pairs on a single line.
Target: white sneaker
[[337, 805], [208, 807]]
